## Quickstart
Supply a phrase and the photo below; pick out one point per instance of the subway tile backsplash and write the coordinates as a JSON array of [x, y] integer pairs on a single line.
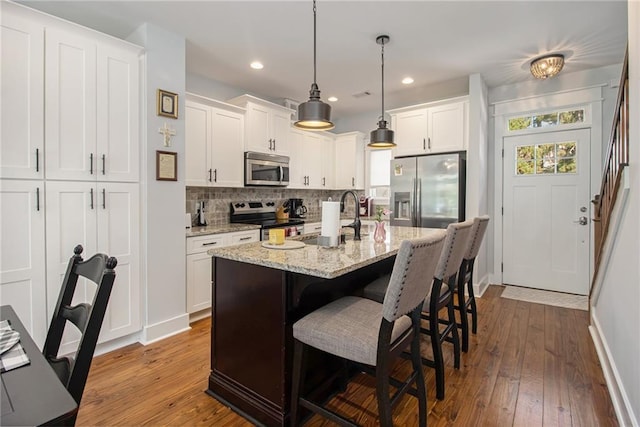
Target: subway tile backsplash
[[217, 200]]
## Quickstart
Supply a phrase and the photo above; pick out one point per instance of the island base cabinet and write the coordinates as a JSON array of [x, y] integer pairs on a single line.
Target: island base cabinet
[[255, 308]]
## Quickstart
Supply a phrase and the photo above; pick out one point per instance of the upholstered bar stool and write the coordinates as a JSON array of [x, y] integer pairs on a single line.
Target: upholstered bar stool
[[467, 304], [440, 297], [373, 334]]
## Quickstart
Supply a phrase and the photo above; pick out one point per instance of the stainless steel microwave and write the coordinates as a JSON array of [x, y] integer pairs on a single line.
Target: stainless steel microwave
[[266, 169]]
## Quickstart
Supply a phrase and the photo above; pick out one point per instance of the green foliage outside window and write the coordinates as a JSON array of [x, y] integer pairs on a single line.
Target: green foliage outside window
[[546, 158], [549, 119]]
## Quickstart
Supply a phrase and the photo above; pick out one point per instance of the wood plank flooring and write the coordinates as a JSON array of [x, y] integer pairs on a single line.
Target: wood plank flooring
[[529, 365]]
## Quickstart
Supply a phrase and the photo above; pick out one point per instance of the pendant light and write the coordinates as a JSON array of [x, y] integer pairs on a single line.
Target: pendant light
[[314, 114], [382, 137]]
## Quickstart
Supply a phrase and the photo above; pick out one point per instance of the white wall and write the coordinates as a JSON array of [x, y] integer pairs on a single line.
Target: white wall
[[615, 314], [163, 237]]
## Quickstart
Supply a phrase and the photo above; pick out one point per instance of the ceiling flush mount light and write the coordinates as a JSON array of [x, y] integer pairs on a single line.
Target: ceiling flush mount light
[[382, 137], [314, 114], [257, 65], [547, 66]]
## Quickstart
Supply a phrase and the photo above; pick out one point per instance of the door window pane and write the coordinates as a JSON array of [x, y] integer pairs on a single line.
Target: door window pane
[[543, 159]]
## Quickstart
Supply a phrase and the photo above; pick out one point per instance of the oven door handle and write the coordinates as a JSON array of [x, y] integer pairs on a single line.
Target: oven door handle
[[281, 174]]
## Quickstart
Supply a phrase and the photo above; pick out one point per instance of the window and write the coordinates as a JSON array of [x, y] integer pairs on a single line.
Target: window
[[379, 173], [558, 158], [549, 119]]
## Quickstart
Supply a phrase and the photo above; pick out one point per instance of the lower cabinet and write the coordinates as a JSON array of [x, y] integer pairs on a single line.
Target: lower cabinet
[[199, 277], [102, 217]]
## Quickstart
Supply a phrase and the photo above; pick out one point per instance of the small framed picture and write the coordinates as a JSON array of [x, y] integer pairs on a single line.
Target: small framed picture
[[166, 166], [167, 104]]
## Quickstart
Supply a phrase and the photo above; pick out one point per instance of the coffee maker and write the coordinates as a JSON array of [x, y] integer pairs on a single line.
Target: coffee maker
[[297, 209]]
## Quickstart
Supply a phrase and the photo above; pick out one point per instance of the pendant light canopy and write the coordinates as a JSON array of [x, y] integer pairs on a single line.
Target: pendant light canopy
[[382, 137], [314, 114]]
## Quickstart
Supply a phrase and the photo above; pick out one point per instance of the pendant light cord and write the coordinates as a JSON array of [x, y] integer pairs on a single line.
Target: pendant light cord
[[382, 117], [314, 42]]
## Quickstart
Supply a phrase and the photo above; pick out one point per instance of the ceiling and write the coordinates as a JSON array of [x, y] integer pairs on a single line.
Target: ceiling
[[435, 42]]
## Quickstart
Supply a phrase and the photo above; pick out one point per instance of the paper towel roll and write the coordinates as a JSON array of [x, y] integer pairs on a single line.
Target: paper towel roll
[[331, 221]]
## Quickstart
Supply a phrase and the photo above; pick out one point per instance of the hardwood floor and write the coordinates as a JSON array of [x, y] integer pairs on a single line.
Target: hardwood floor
[[529, 365]]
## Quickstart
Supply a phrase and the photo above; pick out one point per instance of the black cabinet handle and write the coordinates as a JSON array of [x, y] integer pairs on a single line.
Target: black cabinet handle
[[38, 199], [353, 181], [215, 175], [424, 144], [209, 175], [324, 181], [429, 139], [91, 163], [104, 199], [245, 238], [209, 243], [103, 163], [92, 198], [37, 160], [274, 144]]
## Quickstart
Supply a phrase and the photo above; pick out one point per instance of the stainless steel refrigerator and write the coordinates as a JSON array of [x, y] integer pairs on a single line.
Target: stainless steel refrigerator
[[428, 191]]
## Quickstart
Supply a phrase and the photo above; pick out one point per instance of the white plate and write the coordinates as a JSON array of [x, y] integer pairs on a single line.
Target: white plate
[[288, 244], [8, 339]]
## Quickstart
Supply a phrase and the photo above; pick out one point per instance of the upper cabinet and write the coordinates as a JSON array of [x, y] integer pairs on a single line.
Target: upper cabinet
[[214, 143], [267, 125], [349, 161], [21, 98], [91, 108], [431, 128], [311, 164]]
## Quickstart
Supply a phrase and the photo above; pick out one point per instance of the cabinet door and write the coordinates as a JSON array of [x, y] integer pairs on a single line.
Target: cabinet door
[[197, 137], [70, 106], [447, 127], [21, 98], [410, 132], [297, 164], [328, 163], [118, 231], [199, 284], [71, 220], [117, 148], [22, 256], [345, 160], [258, 137], [281, 132], [312, 163], [226, 152]]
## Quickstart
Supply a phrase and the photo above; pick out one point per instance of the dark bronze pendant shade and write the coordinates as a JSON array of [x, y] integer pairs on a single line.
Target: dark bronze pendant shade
[[314, 114], [382, 137]]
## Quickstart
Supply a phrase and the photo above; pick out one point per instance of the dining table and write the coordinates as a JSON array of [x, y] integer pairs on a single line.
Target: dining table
[[33, 394]]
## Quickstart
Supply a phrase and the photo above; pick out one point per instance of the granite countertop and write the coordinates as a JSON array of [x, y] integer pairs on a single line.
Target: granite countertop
[[327, 263], [217, 229]]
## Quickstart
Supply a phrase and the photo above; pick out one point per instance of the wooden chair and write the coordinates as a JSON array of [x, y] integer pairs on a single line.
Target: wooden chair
[[373, 334], [73, 371], [440, 297], [467, 304]]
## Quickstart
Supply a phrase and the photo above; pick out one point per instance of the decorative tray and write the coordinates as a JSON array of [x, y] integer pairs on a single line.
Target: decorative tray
[[288, 244]]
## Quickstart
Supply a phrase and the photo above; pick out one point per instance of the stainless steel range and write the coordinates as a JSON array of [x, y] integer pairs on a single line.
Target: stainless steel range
[[264, 214]]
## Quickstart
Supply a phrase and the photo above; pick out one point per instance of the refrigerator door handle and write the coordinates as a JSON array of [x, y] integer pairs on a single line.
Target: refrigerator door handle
[[418, 202]]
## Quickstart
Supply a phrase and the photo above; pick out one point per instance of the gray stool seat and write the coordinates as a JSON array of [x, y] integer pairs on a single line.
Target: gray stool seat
[[349, 328]]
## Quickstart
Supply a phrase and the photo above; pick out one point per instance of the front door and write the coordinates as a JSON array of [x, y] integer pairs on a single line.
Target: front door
[[546, 211]]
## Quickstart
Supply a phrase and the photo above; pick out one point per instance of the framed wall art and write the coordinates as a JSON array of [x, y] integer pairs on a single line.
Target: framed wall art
[[167, 104], [166, 166]]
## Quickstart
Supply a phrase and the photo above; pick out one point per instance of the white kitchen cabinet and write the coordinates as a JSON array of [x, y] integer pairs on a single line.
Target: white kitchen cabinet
[[199, 267], [328, 166], [267, 125], [22, 256], [102, 217], [214, 144], [91, 108], [298, 176], [349, 161], [431, 128], [21, 97], [312, 227], [311, 164]]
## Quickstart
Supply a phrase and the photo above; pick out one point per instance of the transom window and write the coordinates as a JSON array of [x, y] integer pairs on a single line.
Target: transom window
[[548, 119], [558, 158]]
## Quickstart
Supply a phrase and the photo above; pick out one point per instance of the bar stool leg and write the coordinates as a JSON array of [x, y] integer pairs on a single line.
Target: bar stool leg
[[464, 321], [454, 333], [297, 379]]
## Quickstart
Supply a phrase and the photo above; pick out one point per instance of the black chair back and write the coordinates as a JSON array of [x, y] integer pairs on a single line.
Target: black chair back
[[73, 371]]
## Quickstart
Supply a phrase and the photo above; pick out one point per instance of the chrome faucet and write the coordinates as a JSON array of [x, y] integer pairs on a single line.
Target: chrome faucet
[[356, 222]]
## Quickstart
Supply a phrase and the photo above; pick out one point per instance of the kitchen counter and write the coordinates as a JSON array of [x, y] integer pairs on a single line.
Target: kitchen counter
[[218, 229], [327, 263], [258, 294]]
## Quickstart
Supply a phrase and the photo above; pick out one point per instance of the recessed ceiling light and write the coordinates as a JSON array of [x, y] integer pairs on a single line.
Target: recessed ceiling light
[[257, 65], [407, 81], [332, 99]]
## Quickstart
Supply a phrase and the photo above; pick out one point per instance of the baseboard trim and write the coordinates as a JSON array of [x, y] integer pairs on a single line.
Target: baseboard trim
[[619, 398], [481, 286], [164, 329]]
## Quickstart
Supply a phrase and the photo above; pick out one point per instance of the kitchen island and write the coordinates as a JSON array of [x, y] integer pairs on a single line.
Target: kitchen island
[[258, 294]]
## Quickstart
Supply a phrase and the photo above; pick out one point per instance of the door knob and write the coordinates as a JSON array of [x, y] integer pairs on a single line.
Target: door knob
[[582, 220]]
